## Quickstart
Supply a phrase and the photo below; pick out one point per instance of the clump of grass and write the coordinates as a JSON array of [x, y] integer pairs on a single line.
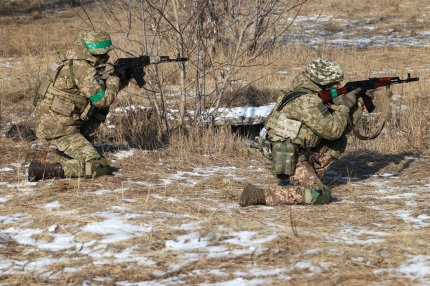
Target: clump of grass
[[206, 141], [248, 96], [136, 128]]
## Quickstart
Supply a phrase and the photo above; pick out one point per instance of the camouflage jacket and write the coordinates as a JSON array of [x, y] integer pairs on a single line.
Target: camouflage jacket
[[97, 94], [306, 117]]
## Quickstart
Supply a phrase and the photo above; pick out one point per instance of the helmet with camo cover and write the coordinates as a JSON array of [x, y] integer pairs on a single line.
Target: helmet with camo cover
[[323, 72], [97, 42]]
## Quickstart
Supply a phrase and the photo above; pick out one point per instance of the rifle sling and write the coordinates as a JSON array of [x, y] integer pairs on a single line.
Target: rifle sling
[[289, 96]]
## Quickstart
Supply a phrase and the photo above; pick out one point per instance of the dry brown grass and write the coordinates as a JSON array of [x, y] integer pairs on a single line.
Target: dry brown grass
[[142, 188]]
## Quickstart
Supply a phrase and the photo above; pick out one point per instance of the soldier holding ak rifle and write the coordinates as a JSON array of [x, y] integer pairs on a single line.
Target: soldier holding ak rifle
[[307, 132], [74, 99]]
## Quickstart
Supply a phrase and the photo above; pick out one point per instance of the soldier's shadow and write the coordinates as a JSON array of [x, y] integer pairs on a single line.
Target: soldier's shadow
[[359, 165]]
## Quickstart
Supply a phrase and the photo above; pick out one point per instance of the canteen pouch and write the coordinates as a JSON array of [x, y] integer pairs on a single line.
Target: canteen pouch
[[283, 158]]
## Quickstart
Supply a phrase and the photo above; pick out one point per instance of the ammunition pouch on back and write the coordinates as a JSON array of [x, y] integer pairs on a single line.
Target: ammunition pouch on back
[[284, 157], [66, 103]]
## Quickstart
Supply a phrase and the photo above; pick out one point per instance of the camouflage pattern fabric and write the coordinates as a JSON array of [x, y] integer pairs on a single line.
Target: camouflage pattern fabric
[[283, 195], [70, 133], [305, 176], [321, 137], [316, 118], [50, 124], [79, 149], [324, 72], [324, 156]]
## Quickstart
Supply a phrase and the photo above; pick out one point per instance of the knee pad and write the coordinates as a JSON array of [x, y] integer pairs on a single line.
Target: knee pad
[[97, 167], [316, 196]]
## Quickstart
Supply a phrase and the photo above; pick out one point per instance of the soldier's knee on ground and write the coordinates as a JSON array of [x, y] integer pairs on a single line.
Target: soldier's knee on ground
[[98, 167], [338, 148], [316, 196]]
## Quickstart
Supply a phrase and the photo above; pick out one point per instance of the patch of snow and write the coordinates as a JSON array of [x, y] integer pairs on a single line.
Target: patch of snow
[[23, 186], [350, 235], [411, 203], [385, 175], [102, 192], [187, 242], [187, 226], [417, 267], [5, 199], [115, 229], [312, 252], [125, 256], [422, 220], [166, 198], [124, 154], [215, 272], [309, 266], [244, 113], [6, 169], [14, 218], [246, 238], [240, 282], [400, 196], [51, 205]]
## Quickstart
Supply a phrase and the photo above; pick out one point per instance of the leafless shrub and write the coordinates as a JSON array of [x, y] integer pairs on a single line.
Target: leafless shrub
[[220, 38], [135, 128]]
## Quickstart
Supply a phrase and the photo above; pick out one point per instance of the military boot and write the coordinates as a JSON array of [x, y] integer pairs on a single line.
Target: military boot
[[40, 170], [252, 195]]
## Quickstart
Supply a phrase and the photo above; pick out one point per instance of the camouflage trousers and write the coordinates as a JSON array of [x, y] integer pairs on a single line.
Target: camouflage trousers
[[80, 151], [307, 174]]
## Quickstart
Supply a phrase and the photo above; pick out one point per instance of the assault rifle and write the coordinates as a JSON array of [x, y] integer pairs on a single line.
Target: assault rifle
[[365, 85], [127, 68]]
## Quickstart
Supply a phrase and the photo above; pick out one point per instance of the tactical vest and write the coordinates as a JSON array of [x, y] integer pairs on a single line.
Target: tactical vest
[[281, 128], [60, 101]]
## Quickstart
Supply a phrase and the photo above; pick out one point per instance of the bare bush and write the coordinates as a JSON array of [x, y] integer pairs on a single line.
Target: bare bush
[[220, 38]]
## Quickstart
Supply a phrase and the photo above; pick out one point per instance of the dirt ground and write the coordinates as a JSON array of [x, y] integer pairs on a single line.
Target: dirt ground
[[170, 216]]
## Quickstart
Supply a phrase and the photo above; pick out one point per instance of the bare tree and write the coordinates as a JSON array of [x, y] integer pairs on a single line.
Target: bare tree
[[220, 38]]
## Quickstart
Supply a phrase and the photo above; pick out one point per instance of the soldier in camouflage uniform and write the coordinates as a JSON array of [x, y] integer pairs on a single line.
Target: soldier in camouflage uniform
[[72, 101], [306, 137]]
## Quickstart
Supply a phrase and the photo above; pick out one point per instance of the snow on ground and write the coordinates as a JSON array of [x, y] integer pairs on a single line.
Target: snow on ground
[[334, 31], [101, 238]]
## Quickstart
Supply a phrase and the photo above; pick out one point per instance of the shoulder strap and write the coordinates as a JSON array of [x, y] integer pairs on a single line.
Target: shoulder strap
[[72, 74], [289, 96]]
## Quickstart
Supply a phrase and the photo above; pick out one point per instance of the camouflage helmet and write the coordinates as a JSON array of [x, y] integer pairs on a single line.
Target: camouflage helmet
[[97, 42], [323, 72]]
